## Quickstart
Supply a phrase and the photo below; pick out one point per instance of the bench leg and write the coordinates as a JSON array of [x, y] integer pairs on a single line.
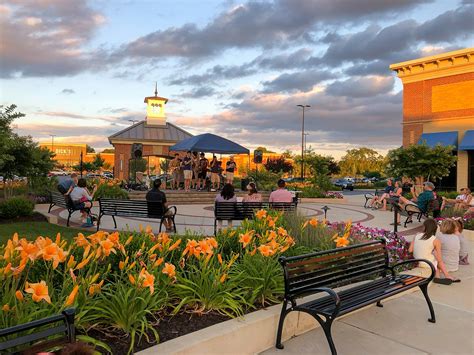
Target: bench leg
[[215, 227], [115, 222], [161, 225], [326, 325], [424, 289], [283, 314], [50, 206], [379, 304], [98, 222], [69, 217], [174, 223]]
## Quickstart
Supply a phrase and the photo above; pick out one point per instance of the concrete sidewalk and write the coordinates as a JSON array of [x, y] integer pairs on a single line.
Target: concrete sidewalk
[[401, 327]]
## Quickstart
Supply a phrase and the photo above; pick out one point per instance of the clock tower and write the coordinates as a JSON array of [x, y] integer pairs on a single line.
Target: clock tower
[[155, 109]]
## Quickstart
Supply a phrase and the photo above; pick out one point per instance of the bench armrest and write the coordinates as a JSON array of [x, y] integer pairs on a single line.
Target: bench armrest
[[433, 270], [330, 291]]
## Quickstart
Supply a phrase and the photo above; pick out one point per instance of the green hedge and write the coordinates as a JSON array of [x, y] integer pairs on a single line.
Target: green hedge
[[16, 207]]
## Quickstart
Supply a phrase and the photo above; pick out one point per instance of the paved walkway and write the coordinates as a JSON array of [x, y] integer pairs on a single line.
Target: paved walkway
[[200, 218], [401, 327]]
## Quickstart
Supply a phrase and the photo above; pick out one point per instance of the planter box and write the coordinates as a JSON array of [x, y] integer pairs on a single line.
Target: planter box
[[250, 334]]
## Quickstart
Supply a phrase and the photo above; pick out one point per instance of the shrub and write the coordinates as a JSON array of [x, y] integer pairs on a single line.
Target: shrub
[[16, 207], [110, 191], [451, 212]]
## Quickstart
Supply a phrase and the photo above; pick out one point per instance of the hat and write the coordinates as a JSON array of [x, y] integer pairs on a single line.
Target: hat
[[429, 184]]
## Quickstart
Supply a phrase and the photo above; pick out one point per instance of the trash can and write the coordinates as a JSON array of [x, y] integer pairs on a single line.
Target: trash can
[[243, 183]]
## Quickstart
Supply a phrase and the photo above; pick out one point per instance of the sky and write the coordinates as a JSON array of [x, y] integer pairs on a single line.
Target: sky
[[80, 69]]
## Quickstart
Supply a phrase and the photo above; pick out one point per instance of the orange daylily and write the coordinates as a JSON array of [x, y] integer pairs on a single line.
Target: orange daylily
[[6, 307], [72, 296], [341, 242], [158, 262], [71, 262], [272, 235], [107, 247], [265, 250], [39, 291], [219, 258], [19, 295], [313, 222], [132, 279], [246, 238], [164, 237], [129, 240], [81, 241], [282, 231], [95, 288], [175, 245], [169, 269], [148, 280], [261, 214], [84, 262], [192, 248], [223, 278], [28, 250], [271, 222]]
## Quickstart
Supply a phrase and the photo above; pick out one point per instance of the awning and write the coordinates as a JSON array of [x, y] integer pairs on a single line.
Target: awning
[[442, 138], [209, 143], [467, 142]]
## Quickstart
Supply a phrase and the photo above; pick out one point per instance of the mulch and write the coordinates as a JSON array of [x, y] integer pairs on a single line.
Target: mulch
[[35, 217]]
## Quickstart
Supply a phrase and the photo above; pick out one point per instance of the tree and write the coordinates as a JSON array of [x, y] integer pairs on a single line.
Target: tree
[[108, 150], [278, 165], [89, 149], [356, 161], [420, 160], [318, 166], [98, 162], [264, 150], [137, 165], [165, 166]]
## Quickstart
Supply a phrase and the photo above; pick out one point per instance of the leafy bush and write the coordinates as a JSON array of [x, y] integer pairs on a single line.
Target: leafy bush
[[451, 212], [262, 277], [110, 191], [16, 207]]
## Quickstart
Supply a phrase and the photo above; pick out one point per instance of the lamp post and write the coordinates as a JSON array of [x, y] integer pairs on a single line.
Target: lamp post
[[80, 164], [302, 140], [305, 150], [52, 142], [325, 209]]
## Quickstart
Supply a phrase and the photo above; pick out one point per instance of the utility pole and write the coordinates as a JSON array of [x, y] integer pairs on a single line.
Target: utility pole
[[302, 140]]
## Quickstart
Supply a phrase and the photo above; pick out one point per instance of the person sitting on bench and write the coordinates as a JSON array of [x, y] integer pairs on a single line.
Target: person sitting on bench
[[82, 199], [386, 194], [226, 195], [156, 195], [422, 200], [281, 194], [65, 187]]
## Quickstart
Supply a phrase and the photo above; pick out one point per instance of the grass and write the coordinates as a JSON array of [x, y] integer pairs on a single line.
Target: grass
[[31, 230]]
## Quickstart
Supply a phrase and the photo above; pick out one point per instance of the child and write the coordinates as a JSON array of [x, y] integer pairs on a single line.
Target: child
[[82, 199], [426, 246], [462, 241], [450, 245]]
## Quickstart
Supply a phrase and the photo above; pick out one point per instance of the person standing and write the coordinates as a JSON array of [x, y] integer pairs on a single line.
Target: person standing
[[215, 178], [203, 164], [230, 168], [195, 167], [174, 167], [187, 171]]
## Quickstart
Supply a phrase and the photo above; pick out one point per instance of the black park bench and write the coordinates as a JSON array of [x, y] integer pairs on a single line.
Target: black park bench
[[321, 272], [239, 211], [135, 208], [64, 201], [39, 335]]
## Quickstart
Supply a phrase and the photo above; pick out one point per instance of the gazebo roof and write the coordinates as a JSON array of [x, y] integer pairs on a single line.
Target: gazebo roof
[[142, 132]]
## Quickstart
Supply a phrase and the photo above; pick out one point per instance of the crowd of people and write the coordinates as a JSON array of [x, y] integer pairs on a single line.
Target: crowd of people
[[197, 172], [444, 246]]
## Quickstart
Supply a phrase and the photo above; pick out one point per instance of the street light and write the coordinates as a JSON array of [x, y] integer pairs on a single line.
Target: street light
[[302, 140], [305, 150], [52, 142]]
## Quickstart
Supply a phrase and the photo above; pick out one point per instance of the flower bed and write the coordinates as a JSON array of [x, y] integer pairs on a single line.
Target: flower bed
[[127, 286]]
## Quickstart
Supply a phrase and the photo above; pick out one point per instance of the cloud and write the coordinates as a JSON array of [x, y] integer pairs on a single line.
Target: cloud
[[46, 38], [370, 86], [257, 24], [68, 91], [203, 91], [298, 81]]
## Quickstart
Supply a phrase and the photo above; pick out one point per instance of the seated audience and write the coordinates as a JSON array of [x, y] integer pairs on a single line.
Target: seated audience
[[281, 194], [386, 193], [65, 187], [82, 198], [450, 245], [158, 196], [462, 201], [394, 194], [422, 200], [463, 251], [226, 195], [253, 195], [426, 246]]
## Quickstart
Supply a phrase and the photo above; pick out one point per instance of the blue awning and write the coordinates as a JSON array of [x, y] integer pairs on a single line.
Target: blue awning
[[442, 138], [209, 143], [467, 142]]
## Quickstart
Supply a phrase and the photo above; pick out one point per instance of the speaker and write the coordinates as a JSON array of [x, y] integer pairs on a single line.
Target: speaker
[[257, 156], [137, 150]]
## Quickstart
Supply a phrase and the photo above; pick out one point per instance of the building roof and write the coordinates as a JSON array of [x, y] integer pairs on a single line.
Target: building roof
[[142, 132]]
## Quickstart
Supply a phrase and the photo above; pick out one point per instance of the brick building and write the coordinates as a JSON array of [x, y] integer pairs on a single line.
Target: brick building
[[154, 133], [438, 107]]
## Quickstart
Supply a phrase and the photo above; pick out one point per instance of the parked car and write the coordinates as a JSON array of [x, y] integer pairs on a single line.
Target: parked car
[[344, 184], [108, 175], [57, 173], [93, 176], [293, 179]]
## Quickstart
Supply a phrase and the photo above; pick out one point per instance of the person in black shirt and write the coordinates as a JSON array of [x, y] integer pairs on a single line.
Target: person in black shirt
[[155, 195], [230, 167], [203, 164]]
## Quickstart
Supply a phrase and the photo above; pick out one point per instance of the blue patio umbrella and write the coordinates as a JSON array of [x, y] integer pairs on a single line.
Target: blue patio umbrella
[[209, 143]]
